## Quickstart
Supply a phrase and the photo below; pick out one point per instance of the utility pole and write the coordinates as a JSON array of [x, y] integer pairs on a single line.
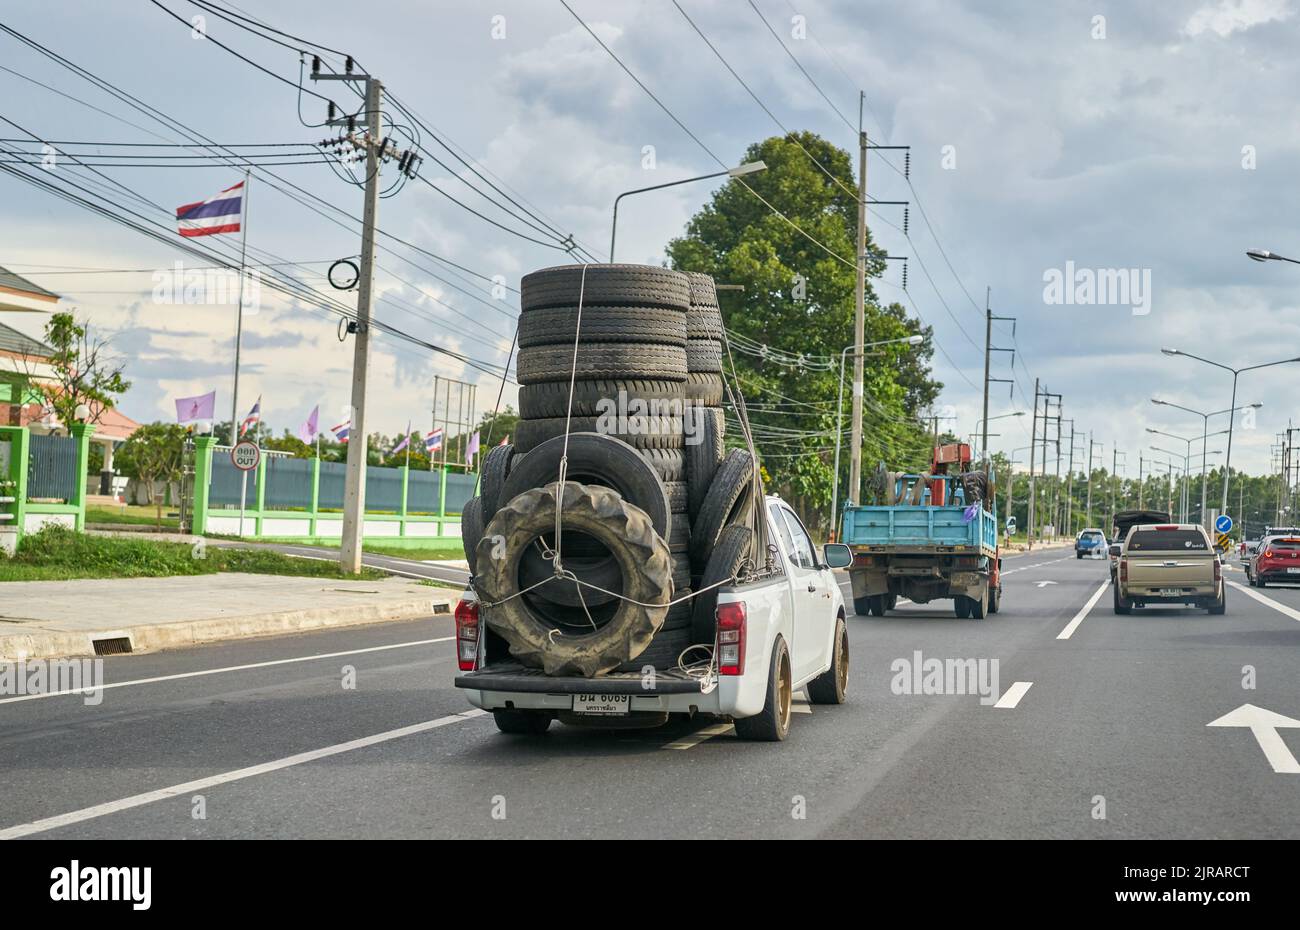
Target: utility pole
[[1140, 495], [859, 315], [1056, 484], [1069, 484], [1088, 516], [989, 349], [1114, 476], [1033, 445]]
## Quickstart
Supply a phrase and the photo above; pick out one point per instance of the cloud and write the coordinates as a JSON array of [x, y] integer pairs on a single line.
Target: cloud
[[1229, 16]]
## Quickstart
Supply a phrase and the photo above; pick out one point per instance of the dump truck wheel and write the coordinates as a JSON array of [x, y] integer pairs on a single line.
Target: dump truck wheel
[[536, 636]]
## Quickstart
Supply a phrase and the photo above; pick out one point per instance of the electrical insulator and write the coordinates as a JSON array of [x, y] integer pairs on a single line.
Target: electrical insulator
[[331, 110], [904, 275], [347, 65], [904, 224], [907, 164], [315, 64], [401, 162]]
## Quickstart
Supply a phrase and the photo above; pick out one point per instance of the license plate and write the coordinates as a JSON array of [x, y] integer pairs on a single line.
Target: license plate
[[1293, 571], [1171, 592], [601, 703]]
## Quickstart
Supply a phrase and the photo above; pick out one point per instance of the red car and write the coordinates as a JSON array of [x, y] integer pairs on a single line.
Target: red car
[[1277, 558]]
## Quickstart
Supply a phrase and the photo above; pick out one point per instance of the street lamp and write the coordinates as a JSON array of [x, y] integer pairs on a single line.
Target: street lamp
[[738, 172], [1184, 503], [839, 415], [1205, 423], [1264, 255], [1227, 461]]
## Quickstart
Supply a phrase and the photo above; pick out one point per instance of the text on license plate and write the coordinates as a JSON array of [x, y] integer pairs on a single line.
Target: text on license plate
[[1171, 592], [601, 703]]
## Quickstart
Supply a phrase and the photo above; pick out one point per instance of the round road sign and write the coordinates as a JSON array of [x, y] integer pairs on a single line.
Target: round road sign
[[245, 455], [1223, 523]]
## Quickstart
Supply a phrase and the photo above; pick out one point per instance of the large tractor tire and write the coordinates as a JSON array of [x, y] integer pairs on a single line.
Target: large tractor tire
[[598, 460], [605, 286], [537, 637]]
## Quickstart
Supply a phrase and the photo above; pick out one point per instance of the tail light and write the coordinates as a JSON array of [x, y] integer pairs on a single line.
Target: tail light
[[731, 639], [1218, 571], [1123, 570], [467, 635], [1268, 553]]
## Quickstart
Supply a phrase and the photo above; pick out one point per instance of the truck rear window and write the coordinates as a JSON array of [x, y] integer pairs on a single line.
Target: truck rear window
[[1167, 540]]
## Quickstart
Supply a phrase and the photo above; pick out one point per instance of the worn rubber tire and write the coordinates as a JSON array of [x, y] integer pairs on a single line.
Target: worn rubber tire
[[1219, 609], [704, 355], [641, 432], [704, 388], [605, 285], [677, 498], [663, 651], [594, 397], [772, 724], [523, 722], [961, 607], [862, 606], [704, 323], [704, 452], [831, 686], [726, 491], [599, 460], [995, 599], [703, 289], [602, 360], [726, 561], [1122, 605], [668, 464], [630, 536], [471, 530], [559, 325], [979, 606], [495, 468]]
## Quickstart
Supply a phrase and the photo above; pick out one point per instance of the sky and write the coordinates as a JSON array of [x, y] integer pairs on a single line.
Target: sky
[[1142, 144]]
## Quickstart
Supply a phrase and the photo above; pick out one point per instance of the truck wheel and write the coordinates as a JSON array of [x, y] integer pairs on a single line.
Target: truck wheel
[[559, 325], [772, 724], [726, 493], [830, 686], [704, 388], [1260, 582], [891, 601], [540, 637], [1122, 604], [605, 285], [496, 466], [601, 361], [1219, 608], [961, 606], [592, 398], [862, 606], [522, 722], [995, 599], [703, 454], [979, 606], [1078, 554]]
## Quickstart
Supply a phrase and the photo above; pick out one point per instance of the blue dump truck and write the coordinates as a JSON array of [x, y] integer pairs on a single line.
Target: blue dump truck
[[932, 536]]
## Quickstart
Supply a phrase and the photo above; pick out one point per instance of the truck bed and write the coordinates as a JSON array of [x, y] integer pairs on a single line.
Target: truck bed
[[919, 528]]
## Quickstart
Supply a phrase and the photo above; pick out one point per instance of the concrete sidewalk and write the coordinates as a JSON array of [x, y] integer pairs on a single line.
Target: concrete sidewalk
[[49, 619]]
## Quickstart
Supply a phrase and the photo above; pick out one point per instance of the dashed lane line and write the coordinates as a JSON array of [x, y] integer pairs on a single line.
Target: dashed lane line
[[1012, 697], [699, 736], [1083, 611], [212, 781], [1267, 601]]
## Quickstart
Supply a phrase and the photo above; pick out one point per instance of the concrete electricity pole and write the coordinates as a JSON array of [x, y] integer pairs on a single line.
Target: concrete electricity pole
[[989, 349], [859, 317], [1033, 444]]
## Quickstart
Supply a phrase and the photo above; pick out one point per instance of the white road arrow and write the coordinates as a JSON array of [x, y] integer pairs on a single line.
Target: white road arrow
[[1264, 724], [1043, 584]]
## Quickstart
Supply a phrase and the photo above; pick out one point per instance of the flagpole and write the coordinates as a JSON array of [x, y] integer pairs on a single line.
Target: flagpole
[[239, 311]]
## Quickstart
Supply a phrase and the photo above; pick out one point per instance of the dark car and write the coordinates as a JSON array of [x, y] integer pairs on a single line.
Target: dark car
[[1277, 558]]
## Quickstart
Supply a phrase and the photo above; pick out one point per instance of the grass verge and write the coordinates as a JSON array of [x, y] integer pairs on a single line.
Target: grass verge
[[59, 554]]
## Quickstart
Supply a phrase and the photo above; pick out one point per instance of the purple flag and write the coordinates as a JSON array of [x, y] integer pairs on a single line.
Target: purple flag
[[471, 448], [307, 432], [194, 409]]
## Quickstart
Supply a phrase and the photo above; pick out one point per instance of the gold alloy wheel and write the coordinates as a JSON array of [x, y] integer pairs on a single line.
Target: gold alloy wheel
[[784, 693], [842, 663]]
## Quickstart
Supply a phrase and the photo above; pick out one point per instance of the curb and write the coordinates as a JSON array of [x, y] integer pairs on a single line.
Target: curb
[[54, 644]]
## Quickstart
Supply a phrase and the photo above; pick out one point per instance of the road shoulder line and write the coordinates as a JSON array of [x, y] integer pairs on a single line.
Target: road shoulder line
[[1083, 611]]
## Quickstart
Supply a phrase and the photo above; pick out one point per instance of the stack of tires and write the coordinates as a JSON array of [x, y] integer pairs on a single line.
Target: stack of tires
[[635, 478]]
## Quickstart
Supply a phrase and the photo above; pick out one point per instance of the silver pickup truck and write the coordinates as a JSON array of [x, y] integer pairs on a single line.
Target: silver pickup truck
[[780, 630], [1168, 563]]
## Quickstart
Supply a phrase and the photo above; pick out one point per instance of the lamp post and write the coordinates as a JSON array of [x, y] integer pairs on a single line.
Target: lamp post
[[1186, 503], [737, 172], [1187, 478], [1205, 427], [839, 417], [1236, 372]]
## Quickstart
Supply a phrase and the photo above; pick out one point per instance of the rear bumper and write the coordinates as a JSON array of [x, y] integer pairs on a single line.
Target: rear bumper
[[1198, 596], [518, 688], [1276, 574]]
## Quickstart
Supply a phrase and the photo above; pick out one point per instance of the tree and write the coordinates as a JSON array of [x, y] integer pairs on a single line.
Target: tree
[[84, 372], [792, 320], [155, 453]]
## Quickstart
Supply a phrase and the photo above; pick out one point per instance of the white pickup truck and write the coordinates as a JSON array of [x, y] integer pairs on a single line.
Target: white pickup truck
[[781, 631]]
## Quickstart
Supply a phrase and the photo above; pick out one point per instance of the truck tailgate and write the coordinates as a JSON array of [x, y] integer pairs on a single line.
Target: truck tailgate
[[1171, 570]]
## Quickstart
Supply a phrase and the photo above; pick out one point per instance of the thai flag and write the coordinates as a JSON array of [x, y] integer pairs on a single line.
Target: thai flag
[[433, 442], [254, 417], [342, 431], [219, 214]]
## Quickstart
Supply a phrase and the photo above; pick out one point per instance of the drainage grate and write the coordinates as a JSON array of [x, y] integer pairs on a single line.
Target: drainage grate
[[114, 646]]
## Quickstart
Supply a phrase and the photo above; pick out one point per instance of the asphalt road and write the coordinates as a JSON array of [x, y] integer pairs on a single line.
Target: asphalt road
[[1115, 716]]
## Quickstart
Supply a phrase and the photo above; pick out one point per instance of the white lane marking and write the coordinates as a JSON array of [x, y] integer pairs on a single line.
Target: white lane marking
[[202, 784], [1013, 695], [699, 736], [1043, 584], [1083, 612], [1279, 607], [229, 668], [1264, 724]]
